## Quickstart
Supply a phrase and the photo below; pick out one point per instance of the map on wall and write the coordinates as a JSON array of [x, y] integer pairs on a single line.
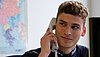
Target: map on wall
[[13, 26]]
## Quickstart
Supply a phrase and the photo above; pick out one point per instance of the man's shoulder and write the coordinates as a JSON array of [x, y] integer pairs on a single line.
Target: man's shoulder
[[31, 53], [82, 51], [82, 48], [38, 50]]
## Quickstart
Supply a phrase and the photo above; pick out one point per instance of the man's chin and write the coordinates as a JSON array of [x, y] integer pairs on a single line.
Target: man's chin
[[67, 45]]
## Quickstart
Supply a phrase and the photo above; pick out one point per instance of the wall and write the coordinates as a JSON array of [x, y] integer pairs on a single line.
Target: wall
[[94, 8]]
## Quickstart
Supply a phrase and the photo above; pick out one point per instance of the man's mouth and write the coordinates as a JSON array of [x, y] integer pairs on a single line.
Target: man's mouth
[[68, 38]]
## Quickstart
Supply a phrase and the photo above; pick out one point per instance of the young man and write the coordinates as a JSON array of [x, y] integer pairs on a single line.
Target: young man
[[70, 25]]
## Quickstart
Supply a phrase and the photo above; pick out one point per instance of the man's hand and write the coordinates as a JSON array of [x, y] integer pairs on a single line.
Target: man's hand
[[45, 43]]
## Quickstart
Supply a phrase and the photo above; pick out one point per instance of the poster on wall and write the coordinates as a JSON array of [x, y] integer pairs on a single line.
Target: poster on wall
[[13, 26]]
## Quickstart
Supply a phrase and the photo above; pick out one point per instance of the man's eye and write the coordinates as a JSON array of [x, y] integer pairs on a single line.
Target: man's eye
[[63, 24], [75, 27]]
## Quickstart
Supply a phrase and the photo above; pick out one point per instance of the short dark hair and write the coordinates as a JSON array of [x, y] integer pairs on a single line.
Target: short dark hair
[[74, 8]]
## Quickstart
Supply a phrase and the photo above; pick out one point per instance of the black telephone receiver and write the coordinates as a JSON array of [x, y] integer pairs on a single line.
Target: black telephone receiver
[[54, 46]]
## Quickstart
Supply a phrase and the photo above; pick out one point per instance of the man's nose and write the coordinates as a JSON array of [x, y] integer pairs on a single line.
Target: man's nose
[[67, 30]]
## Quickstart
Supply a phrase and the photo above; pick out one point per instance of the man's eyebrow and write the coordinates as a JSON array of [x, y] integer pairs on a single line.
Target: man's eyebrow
[[75, 24], [66, 22], [62, 21]]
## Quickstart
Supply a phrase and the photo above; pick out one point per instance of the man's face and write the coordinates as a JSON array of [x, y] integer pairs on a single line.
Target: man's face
[[69, 28]]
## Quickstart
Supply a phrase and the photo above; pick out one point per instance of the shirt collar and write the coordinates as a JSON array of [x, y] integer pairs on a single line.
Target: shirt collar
[[63, 54]]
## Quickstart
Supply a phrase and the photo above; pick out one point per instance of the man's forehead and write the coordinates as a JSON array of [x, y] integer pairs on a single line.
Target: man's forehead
[[71, 23]]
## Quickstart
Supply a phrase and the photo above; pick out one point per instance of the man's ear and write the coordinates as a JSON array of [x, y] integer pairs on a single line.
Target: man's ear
[[84, 31]]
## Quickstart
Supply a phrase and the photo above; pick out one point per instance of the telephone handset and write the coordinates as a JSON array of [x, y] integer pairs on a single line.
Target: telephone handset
[[54, 46]]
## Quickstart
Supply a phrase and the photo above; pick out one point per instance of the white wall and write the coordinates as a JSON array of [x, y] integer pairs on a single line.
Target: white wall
[[40, 13], [94, 8]]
